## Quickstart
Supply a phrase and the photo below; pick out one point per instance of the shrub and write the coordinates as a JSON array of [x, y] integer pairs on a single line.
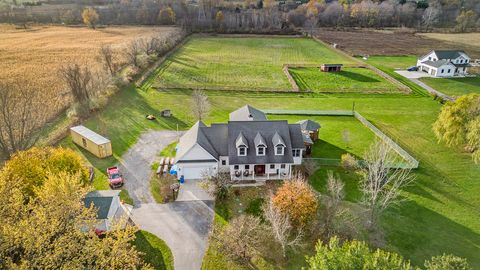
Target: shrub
[[447, 262], [296, 199], [348, 162]]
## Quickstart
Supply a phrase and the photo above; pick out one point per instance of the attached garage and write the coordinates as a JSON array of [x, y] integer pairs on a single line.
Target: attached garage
[[195, 171]]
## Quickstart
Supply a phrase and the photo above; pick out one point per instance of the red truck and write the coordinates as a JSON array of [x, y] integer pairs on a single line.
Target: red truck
[[115, 178]]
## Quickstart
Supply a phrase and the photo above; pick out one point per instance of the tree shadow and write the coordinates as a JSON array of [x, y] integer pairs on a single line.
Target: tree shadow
[[356, 76], [144, 246]]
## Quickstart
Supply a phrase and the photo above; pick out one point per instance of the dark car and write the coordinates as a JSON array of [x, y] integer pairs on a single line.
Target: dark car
[[414, 68]]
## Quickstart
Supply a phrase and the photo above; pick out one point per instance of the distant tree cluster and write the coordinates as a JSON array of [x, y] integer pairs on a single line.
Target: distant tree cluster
[[263, 15]]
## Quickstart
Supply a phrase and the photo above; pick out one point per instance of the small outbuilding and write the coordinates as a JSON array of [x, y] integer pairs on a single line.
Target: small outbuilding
[[110, 210], [91, 141], [310, 127], [166, 113], [331, 67]]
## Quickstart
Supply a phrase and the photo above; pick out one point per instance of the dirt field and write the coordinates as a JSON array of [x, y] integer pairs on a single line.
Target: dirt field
[[33, 56], [360, 42]]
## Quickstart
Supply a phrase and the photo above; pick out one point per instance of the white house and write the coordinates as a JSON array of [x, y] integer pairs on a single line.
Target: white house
[[441, 63], [249, 146]]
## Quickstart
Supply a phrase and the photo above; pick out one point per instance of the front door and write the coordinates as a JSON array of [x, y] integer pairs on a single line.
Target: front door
[[259, 170]]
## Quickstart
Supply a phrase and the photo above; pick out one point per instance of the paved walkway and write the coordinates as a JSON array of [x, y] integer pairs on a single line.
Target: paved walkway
[[183, 224]]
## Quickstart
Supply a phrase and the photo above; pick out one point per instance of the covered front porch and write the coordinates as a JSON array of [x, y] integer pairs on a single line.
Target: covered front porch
[[262, 172]]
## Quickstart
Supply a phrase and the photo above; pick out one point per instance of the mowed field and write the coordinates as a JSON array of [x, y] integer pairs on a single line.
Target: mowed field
[[349, 79], [241, 63], [33, 56], [454, 86]]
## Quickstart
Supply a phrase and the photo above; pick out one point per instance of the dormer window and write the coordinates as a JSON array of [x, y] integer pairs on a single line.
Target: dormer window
[[242, 145], [242, 151], [260, 151], [260, 144], [279, 150]]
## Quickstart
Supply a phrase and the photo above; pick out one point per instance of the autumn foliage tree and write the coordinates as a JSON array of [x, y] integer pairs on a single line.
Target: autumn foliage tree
[[296, 199], [458, 124], [48, 225], [166, 16], [90, 17]]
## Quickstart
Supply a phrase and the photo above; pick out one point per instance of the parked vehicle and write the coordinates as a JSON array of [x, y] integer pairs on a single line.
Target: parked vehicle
[[413, 68], [115, 178]]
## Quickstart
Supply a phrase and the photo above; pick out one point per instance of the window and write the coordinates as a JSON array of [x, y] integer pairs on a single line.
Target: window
[[247, 167], [84, 142], [441, 71], [272, 166], [242, 151], [448, 71], [260, 151], [224, 162], [235, 167], [296, 152], [279, 150], [282, 166]]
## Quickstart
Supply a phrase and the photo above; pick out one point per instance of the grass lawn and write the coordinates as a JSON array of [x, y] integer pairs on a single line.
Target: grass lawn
[[389, 64], [350, 79], [454, 86], [440, 214], [241, 63], [156, 252]]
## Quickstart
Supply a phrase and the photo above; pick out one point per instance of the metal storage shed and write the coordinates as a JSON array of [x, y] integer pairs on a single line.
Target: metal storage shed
[[91, 141]]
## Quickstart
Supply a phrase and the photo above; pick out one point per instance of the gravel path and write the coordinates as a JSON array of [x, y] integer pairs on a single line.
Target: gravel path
[[136, 163], [183, 224]]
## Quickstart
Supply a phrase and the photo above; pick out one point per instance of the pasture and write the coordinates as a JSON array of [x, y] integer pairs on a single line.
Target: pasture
[[240, 63], [454, 86], [349, 80]]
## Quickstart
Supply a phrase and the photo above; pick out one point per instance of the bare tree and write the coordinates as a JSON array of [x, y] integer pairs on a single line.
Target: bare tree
[[240, 238], [332, 209], [430, 16], [78, 80], [107, 58], [132, 51], [218, 185], [381, 184], [22, 114], [281, 228], [309, 166], [200, 105]]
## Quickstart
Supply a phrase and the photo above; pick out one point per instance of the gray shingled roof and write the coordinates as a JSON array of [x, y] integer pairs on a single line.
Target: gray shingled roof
[[309, 125], [448, 54], [437, 64], [193, 136], [247, 113], [296, 136], [101, 200], [249, 129]]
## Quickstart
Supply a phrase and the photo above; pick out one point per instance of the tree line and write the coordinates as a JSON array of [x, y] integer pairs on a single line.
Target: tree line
[[264, 15]]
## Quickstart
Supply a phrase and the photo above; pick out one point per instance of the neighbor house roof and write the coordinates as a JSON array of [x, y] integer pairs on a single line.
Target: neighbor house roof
[[438, 63], [309, 125], [247, 113], [101, 200], [90, 135], [449, 54]]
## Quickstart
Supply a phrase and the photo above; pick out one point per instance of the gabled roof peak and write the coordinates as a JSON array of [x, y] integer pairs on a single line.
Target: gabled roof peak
[[247, 113], [259, 140], [277, 140], [241, 141]]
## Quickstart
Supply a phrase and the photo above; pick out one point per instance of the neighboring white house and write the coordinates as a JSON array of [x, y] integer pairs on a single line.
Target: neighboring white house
[[249, 146], [441, 63]]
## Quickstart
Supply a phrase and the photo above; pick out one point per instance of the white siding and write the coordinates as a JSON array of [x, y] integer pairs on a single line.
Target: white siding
[[197, 153], [448, 71]]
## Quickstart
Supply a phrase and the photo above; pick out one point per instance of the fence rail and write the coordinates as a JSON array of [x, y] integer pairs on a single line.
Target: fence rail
[[411, 162]]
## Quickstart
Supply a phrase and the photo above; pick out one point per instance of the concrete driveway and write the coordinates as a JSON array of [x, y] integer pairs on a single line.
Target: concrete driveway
[[183, 224], [413, 74]]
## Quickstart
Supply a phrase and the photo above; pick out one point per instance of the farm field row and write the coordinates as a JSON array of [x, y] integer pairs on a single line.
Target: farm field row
[[440, 214]]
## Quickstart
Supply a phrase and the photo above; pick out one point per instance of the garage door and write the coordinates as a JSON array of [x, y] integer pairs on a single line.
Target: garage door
[[194, 172]]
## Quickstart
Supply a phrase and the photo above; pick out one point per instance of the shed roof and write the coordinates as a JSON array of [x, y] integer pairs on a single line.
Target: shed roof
[[90, 135], [309, 125], [101, 200], [332, 65], [247, 113]]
